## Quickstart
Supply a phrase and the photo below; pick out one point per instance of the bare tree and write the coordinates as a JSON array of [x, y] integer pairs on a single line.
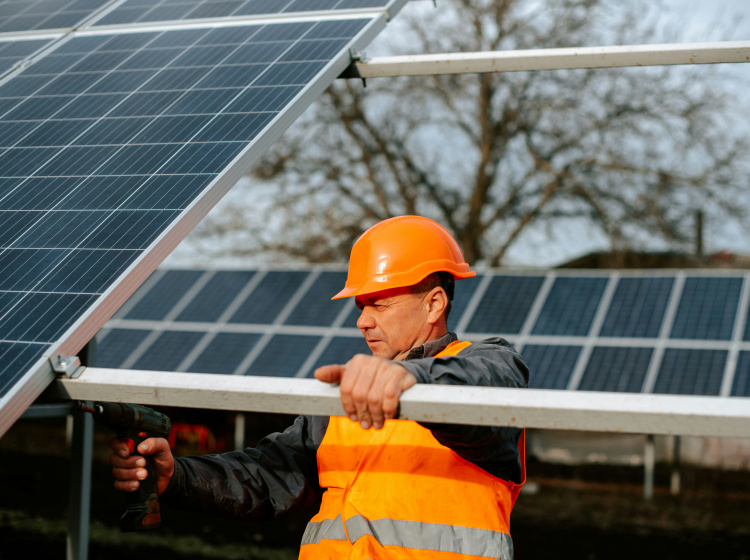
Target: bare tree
[[632, 151]]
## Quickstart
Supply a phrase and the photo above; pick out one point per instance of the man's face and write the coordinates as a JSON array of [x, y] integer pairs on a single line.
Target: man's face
[[393, 322]]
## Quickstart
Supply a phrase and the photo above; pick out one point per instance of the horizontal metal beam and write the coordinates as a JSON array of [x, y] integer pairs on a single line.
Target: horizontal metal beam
[[532, 408], [551, 59]]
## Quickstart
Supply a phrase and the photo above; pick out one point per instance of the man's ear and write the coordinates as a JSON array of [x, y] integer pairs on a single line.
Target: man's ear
[[436, 302]]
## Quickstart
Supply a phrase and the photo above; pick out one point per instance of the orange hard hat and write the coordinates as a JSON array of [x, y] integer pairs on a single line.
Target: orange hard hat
[[401, 252]]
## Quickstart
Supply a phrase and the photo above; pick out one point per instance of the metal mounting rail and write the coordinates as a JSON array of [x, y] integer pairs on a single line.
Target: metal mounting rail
[[532, 408], [551, 59]]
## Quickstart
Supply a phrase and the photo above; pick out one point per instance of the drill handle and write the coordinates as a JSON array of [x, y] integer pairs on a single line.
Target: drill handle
[[142, 512]]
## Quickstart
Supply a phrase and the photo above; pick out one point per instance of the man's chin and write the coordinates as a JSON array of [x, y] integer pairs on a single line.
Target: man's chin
[[380, 349]]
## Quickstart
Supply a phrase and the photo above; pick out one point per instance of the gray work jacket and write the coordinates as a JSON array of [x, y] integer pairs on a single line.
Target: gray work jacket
[[280, 474]]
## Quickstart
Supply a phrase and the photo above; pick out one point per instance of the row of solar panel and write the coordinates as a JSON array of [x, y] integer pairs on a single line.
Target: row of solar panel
[[37, 15], [621, 369], [707, 310]]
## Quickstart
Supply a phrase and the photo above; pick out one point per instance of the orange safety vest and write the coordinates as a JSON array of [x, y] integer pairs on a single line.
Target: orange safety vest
[[397, 493]]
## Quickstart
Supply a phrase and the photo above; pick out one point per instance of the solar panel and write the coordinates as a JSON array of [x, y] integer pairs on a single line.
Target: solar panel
[[35, 15], [168, 350], [270, 296], [637, 307], [213, 299], [570, 306], [318, 309], [619, 369], [708, 308], [160, 299], [691, 372], [224, 353], [102, 126], [741, 384], [289, 329], [505, 305], [340, 350], [13, 51], [116, 345], [462, 294], [550, 367], [283, 356], [140, 11]]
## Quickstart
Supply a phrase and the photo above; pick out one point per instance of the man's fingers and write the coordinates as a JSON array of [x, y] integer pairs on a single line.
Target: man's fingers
[[391, 396], [330, 374], [362, 376]]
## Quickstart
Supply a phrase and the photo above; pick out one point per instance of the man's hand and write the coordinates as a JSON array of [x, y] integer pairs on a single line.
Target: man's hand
[[130, 470], [370, 387]]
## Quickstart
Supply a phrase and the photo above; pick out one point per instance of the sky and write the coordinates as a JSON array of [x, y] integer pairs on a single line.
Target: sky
[[697, 21]]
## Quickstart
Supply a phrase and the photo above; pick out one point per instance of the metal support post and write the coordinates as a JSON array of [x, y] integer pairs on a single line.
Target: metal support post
[[239, 431], [82, 447], [649, 461], [80, 486], [674, 482]]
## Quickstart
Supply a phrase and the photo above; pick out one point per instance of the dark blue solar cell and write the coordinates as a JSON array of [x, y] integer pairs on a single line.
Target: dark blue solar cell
[[691, 372], [337, 29], [216, 9], [15, 359], [172, 129], [123, 15], [111, 131], [203, 158], [263, 99], [310, 5], [151, 58], [201, 102], [22, 268], [8, 300], [237, 76], [707, 310], [117, 346], [570, 306], [289, 73], [167, 351], [315, 50], [53, 63], [616, 369], [22, 162], [316, 308], [101, 61], [216, 295], [206, 55], [98, 193], [167, 191], [60, 229], [14, 224], [168, 13], [123, 81], [42, 317], [254, 7], [340, 350], [290, 32], [235, 128], [637, 307], [178, 79], [149, 103], [269, 297], [283, 356], [550, 367], [461, 296], [741, 384], [76, 160], [505, 304], [22, 86], [356, 4], [137, 160], [93, 106], [87, 271], [259, 52], [224, 353], [161, 298], [12, 132], [38, 108], [56, 132]]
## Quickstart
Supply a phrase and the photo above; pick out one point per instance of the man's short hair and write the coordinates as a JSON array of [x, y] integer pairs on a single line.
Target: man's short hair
[[443, 279]]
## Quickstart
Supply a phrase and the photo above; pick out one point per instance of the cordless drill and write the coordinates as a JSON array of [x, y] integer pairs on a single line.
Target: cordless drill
[[135, 423]]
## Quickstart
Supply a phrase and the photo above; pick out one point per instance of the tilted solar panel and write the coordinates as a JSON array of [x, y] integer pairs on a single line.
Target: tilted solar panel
[[550, 366], [505, 304], [570, 306], [131, 137], [707, 308], [284, 355], [691, 372]]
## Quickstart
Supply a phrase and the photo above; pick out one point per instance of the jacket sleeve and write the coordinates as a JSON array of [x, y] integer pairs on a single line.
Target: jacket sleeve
[[278, 476], [490, 363]]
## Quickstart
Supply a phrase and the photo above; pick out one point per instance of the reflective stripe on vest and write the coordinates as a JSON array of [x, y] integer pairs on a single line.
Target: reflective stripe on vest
[[398, 487], [413, 534]]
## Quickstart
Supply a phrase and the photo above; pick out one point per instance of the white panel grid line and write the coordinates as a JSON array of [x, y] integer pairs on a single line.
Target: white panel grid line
[[594, 330], [471, 307], [736, 344], [664, 331]]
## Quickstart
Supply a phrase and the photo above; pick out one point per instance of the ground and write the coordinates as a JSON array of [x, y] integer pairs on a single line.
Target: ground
[[585, 512]]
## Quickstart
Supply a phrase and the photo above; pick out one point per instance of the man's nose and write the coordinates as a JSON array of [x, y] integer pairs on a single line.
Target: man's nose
[[365, 320]]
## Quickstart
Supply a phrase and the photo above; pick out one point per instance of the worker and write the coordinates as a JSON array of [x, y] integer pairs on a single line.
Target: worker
[[390, 488]]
